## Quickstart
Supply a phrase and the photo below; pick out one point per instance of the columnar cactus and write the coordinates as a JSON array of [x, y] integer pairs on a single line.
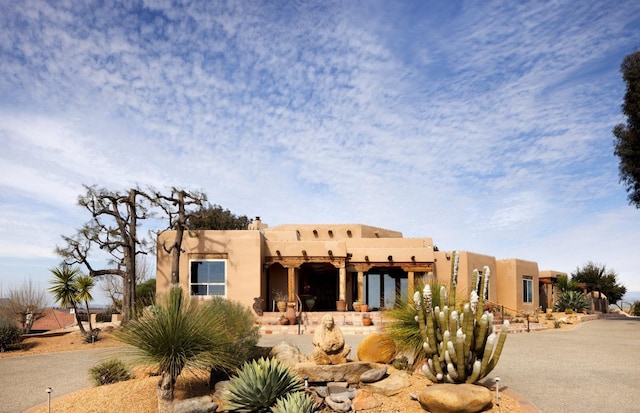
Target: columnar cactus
[[460, 347]]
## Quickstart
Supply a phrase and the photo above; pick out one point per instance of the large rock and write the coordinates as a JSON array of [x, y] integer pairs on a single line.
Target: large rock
[[349, 372], [373, 375], [389, 386], [365, 400], [377, 348], [288, 354], [455, 398], [202, 404]]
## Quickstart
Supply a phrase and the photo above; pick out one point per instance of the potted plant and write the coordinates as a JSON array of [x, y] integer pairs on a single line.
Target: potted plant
[[281, 300], [356, 305], [366, 320]]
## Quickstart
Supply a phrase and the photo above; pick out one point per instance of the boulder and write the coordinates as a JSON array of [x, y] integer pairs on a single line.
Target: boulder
[[288, 354], [202, 404], [365, 400], [348, 372], [373, 375], [389, 386], [455, 398], [339, 403], [377, 348]]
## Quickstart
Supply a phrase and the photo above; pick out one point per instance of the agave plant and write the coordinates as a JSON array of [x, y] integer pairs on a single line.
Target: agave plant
[[298, 402], [259, 384], [575, 300]]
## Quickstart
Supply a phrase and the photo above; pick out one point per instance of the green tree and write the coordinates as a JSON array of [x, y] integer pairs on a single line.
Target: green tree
[[65, 289], [216, 217], [178, 334], [146, 293], [627, 136], [598, 278], [84, 284]]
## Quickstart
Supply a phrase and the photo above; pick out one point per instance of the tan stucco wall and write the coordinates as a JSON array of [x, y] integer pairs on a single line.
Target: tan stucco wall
[[468, 262], [510, 273], [242, 249]]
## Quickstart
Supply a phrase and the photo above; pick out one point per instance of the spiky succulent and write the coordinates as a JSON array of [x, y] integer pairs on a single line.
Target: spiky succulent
[[298, 402], [259, 384]]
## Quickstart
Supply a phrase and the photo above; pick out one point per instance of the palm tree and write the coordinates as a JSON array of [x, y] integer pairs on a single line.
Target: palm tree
[[64, 289], [84, 284], [177, 335]]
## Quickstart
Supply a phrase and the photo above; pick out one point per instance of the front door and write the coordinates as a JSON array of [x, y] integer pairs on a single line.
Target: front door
[[319, 281]]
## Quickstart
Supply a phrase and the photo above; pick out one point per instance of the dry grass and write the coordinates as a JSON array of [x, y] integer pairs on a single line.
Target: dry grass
[[139, 395]]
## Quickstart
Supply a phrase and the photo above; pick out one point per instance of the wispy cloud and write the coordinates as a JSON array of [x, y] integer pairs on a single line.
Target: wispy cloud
[[485, 126]]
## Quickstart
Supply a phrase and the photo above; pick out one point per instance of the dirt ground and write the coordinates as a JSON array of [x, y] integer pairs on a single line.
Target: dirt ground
[[141, 390]]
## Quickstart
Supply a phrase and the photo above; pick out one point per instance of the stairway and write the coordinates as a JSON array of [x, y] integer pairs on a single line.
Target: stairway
[[350, 322]]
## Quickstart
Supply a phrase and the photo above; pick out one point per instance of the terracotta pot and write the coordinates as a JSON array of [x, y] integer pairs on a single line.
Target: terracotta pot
[[291, 313], [364, 308], [366, 322], [284, 321], [341, 305]]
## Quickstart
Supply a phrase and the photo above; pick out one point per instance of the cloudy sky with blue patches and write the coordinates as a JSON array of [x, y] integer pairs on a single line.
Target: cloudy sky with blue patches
[[484, 125]]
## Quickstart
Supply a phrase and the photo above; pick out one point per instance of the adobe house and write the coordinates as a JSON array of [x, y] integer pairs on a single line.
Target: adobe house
[[329, 262], [334, 264]]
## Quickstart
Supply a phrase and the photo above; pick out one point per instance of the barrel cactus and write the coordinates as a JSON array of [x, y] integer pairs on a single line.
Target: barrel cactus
[[460, 346]]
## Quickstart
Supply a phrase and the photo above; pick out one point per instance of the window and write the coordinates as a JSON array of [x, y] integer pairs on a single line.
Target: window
[[527, 289], [208, 277]]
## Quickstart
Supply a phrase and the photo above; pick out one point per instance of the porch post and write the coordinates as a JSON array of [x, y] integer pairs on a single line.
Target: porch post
[[361, 286], [343, 283], [410, 284], [292, 283]]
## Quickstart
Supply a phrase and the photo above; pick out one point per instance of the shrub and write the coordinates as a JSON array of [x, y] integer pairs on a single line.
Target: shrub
[[9, 333], [404, 327], [635, 308], [259, 384], [238, 323], [572, 300], [298, 402], [110, 371]]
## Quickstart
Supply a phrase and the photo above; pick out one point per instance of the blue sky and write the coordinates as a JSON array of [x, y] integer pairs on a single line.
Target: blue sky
[[484, 125]]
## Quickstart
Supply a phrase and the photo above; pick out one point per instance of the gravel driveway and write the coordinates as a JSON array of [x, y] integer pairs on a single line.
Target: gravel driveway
[[591, 368]]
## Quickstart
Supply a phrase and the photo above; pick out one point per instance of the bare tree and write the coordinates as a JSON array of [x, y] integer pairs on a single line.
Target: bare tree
[[175, 207], [111, 284], [26, 304], [113, 228]]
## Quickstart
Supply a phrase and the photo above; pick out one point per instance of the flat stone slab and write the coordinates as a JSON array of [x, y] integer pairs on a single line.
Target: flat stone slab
[[349, 372]]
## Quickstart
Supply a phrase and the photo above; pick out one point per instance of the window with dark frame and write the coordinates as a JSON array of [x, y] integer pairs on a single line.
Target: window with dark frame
[[208, 278]]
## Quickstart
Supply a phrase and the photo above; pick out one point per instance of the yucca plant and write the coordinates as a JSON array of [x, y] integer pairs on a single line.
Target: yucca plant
[[179, 334], [574, 300], [298, 402], [259, 384]]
